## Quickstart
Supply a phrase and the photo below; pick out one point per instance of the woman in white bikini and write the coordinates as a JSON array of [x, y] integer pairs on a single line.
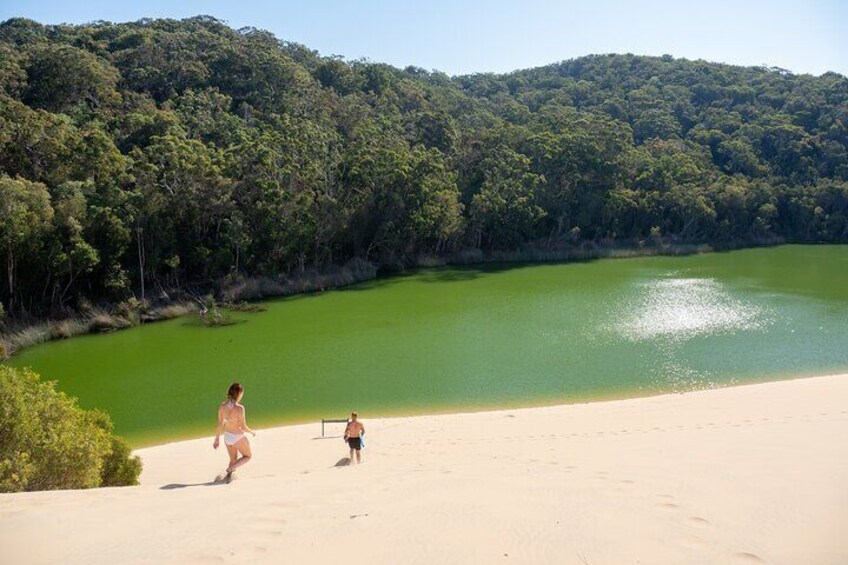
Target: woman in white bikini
[[233, 423]]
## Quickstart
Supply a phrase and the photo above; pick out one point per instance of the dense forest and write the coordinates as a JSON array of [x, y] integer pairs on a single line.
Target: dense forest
[[156, 155]]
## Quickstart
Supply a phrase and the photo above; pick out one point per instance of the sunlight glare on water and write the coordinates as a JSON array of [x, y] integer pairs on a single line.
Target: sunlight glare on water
[[683, 308]]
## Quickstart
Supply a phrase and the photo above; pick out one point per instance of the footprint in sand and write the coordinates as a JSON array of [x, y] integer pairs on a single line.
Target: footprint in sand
[[208, 559], [698, 521], [667, 501], [746, 557], [693, 541], [627, 482], [272, 529]]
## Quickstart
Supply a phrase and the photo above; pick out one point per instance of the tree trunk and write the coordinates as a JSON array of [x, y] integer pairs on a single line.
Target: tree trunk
[[138, 233], [71, 278], [10, 268]]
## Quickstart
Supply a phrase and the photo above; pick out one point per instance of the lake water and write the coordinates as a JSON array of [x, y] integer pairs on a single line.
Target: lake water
[[474, 337]]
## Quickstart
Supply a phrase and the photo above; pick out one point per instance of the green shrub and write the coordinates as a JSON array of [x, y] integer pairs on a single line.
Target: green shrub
[[212, 316], [129, 310], [119, 467], [47, 442]]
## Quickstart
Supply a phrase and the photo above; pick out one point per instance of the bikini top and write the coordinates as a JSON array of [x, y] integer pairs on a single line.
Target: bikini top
[[232, 405]]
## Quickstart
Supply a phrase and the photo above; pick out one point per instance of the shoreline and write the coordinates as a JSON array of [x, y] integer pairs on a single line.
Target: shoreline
[[496, 410], [257, 289], [755, 473], [485, 409]]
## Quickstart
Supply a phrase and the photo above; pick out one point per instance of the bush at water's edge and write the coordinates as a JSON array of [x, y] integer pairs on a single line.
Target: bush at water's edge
[[47, 442], [16, 336]]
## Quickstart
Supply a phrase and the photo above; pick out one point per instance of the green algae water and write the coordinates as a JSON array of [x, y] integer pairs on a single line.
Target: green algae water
[[474, 337]]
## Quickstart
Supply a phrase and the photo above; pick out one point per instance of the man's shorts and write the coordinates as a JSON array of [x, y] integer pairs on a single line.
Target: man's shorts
[[354, 443]]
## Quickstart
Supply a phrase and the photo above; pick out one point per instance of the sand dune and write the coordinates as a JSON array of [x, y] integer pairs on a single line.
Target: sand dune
[[749, 474]]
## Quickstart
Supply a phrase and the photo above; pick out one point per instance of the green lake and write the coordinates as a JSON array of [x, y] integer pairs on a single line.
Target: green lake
[[465, 338]]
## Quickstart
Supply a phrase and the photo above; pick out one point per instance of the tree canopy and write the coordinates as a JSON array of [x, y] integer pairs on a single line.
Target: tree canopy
[[162, 153]]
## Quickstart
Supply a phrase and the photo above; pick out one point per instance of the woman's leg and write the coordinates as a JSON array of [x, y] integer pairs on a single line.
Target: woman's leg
[[233, 453], [243, 447]]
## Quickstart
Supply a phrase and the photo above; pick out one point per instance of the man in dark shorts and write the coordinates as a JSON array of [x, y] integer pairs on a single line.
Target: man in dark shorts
[[353, 436]]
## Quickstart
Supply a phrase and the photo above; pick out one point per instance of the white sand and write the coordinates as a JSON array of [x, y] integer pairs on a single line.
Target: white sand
[[748, 474]]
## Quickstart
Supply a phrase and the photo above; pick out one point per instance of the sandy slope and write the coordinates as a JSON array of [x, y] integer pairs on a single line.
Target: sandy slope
[[739, 475]]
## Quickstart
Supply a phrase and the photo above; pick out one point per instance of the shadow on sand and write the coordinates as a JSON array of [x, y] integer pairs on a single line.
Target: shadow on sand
[[213, 483], [343, 462]]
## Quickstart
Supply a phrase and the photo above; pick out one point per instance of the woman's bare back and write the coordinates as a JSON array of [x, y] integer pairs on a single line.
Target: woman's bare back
[[232, 415]]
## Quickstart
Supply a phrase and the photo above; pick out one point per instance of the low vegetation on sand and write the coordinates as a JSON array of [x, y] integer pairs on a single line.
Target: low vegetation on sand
[[47, 442]]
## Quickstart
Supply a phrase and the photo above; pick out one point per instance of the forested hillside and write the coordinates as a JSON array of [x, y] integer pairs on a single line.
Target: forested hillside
[[165, 154]]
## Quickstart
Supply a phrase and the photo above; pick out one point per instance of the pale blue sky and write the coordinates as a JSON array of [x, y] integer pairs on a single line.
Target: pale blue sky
[[498, 35]]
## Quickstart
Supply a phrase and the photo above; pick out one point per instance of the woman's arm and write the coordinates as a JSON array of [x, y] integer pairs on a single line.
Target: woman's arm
[[219, 428], [244, 425]]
